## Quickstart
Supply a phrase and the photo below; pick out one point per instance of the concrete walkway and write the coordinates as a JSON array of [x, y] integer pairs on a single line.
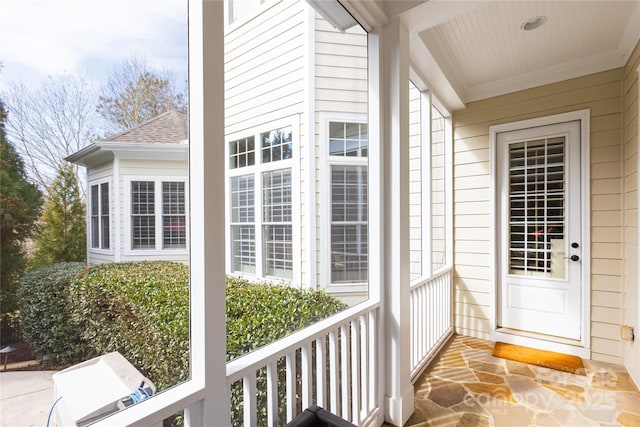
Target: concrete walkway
[[25, 398]]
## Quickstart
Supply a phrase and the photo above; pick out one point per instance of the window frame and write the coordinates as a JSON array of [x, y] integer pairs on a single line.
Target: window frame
[[100, 249], [327, 161], [256, 170], [158, 180], [259, 7]]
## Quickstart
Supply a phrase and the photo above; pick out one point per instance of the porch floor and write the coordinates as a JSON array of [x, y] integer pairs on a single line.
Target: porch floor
[[467, 386]]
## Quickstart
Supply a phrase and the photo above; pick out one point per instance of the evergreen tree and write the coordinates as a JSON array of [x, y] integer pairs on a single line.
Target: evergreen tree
[[20, 204], [62, 235]]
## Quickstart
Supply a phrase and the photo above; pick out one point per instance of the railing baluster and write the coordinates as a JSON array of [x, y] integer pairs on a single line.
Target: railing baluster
[[307, 383], [345, 371], [373, 360], [321, 371], [355, 371], [291, 385], [272, 394], [431, 316], [249, 391], [333, 372], [364, 363]]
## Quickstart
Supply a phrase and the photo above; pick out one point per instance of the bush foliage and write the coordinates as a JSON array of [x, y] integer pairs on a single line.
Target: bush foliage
[[45, 308], [141, 310], [258, 314]]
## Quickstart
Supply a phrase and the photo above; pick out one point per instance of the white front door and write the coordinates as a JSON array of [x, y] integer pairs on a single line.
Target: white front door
[[538, 207]]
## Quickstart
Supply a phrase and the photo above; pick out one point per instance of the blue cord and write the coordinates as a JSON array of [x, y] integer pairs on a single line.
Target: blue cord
[[51, 410], [139, 395]]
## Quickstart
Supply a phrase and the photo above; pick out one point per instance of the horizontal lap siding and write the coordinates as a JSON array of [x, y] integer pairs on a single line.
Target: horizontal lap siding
[[264, 68], [473, 229], [340, 85], [631, 351]]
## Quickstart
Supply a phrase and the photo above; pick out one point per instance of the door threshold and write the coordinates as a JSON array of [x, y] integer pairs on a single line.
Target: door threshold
[[542, 342]]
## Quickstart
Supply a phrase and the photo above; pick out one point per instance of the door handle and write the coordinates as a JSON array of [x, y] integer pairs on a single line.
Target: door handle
[[575, 258]]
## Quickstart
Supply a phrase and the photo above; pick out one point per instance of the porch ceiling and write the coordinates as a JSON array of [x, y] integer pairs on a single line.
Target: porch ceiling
[[471, 50]]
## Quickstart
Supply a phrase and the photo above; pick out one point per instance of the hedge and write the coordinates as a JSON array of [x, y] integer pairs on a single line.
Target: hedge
[[258, 314], [45, 309], [141, 310]]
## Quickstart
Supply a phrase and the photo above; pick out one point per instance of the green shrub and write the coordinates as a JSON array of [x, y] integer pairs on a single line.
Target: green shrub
[[45, 308], [141, 310], [259, 314]]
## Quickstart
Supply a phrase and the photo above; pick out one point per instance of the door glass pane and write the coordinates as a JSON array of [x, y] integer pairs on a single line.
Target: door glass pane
[[537, 208]]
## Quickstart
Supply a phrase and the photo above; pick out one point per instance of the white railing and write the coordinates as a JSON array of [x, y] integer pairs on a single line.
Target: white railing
[[431, 318], [332, 363]]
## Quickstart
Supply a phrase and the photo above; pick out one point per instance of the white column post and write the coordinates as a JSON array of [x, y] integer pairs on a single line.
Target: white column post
[[399, 403], [207, 189]]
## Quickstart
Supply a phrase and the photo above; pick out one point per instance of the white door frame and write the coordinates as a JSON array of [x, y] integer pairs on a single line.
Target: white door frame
[[582, 347]]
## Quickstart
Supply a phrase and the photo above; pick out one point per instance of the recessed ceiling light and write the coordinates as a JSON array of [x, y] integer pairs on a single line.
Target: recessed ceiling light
[[534, 23]]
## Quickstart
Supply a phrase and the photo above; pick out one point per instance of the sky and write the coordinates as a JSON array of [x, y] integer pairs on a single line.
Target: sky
[[39, 38]]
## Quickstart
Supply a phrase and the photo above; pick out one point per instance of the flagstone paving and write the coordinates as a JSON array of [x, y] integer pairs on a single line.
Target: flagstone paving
[[467, 386]]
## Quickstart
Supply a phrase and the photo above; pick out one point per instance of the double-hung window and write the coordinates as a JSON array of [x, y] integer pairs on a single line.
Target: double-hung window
[[100, 218], [348, 203], [158, 214], [261, 200]]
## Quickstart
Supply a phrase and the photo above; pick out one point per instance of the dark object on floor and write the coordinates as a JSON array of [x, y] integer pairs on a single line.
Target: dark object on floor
[[315, 416]]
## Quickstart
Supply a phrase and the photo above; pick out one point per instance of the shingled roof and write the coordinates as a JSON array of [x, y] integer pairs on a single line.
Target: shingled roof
[[169, 127]]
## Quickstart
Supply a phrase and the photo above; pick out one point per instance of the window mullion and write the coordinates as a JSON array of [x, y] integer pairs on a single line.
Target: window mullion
[[159, 214], [258, 215]]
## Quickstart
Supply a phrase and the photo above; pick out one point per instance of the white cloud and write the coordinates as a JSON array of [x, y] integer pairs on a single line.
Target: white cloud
[[44, 37]]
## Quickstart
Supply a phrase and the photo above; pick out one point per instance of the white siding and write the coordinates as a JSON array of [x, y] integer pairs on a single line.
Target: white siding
[[264, 68], [340, 87]]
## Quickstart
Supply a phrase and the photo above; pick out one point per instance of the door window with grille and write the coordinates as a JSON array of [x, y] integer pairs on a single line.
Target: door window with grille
[[537, 208]]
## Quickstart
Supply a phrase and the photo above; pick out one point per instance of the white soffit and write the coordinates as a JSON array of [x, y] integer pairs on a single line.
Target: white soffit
[[482, 50]]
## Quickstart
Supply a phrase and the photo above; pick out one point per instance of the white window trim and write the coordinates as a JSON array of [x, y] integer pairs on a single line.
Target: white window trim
[[158, 180], [256, 170], [101, 251], [326, 161], [260, 8], [583, 346]]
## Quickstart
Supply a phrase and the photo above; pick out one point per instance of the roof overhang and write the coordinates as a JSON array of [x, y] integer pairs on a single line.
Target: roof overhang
[[101, 152]]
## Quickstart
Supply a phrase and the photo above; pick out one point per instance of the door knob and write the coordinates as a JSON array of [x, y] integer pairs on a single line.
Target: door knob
[[575, 245], [575, 258]]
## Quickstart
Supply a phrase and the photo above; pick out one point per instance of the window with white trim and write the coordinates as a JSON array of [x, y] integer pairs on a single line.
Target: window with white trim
[[158, 214], [99, 209], [261, 192], [348, 187]]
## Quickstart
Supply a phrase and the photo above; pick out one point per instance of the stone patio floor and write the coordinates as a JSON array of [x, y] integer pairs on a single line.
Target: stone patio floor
[[466, 386]]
